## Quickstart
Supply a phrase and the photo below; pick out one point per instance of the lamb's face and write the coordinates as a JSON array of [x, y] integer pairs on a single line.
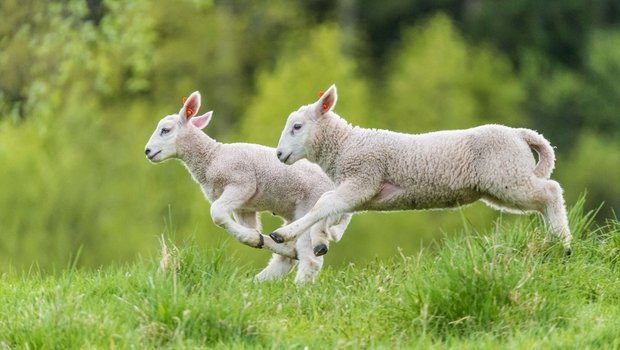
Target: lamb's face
[[300, 128], [295, 136], [162, 144]]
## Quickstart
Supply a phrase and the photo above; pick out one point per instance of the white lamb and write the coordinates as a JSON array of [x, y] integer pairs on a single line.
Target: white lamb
[[384, 170], [241, 180]]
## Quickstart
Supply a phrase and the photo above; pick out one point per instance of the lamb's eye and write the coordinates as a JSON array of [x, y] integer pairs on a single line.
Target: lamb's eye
[[164, 131], [297, 126]]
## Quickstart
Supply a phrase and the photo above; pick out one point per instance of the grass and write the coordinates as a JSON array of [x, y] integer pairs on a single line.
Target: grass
[[500, 289]]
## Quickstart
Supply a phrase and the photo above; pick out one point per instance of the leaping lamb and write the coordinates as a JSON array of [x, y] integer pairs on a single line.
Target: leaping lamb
[[241, 180], [384, 170]]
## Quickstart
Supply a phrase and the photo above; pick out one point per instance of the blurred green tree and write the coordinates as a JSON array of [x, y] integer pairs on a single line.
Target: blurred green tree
[[53, 49], [217, 50], [565, 103], [593, 166], [558, 30], [311, 63], [68, 159], [437, 80], [601, 99]]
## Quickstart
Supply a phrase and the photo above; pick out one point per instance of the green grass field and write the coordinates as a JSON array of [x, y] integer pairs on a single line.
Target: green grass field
[[498, 289]]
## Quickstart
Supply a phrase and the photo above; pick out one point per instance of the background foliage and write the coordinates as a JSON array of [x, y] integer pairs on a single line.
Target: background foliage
[[83, 83]]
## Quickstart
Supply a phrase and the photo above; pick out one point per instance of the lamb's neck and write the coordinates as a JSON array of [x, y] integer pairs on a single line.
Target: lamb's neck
[[197, 150], [329, 142]]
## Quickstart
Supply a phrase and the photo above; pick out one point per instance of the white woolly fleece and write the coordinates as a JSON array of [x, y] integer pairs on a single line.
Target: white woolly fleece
[[385, 170]]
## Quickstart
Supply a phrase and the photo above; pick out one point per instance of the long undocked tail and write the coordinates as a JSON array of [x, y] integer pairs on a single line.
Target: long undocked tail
[[546, 156]]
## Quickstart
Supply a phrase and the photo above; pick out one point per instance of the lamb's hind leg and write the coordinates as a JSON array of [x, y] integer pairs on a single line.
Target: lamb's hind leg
[[554, 212], [283, 258], [309, 264], [541, 195], [279, 265]]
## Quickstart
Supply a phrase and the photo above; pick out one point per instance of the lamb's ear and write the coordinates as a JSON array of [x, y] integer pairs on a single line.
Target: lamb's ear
[[203, 120], [190, 106], [327, 101]]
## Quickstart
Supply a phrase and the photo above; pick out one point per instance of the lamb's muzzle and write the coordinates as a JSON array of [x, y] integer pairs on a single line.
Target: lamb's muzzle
[[283, 158]]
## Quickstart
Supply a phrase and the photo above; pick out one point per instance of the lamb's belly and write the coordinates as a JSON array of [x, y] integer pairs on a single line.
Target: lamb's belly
[[260, 203], [281, 208], [394, 198]]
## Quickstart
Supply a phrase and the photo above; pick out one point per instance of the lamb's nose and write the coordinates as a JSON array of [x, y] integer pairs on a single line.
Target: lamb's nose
[[279, 154], [147, 151]]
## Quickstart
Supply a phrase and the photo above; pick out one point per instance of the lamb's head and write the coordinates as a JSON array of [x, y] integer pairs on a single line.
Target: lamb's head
[[301, 126], [163, 143]]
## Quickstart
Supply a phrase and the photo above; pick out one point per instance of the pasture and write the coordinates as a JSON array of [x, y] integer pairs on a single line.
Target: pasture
[[472, 290]]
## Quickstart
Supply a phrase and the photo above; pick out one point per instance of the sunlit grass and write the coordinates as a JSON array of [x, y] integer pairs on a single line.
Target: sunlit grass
[[498, 289]]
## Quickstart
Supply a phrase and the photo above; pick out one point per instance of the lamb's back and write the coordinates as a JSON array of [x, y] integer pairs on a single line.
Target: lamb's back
[[443, 158]]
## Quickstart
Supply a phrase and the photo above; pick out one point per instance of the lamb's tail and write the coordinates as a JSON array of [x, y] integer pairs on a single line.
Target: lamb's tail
[[546, 156]]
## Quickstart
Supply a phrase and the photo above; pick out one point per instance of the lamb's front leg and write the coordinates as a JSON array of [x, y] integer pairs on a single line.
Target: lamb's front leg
[[251, 220], [330, 230], [222, 210], [344, 199]]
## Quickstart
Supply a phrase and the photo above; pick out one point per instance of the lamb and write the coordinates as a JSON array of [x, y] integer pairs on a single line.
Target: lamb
[[240, 180], [386, 171]]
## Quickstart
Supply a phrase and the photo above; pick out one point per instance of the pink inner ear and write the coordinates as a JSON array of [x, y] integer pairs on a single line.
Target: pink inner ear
[[191, 105], [328, 102], [202, 121]]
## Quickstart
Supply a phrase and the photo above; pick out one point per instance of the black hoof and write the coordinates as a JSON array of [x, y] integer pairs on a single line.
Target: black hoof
[[276, 237], [261, 242], [320, 249], [569, 253]]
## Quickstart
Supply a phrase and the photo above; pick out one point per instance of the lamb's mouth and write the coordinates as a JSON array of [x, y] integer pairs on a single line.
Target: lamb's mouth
[[153, 156], [287, 157]]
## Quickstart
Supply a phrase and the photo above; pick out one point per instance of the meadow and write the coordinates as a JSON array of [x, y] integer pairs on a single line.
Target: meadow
[[475, 290]]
